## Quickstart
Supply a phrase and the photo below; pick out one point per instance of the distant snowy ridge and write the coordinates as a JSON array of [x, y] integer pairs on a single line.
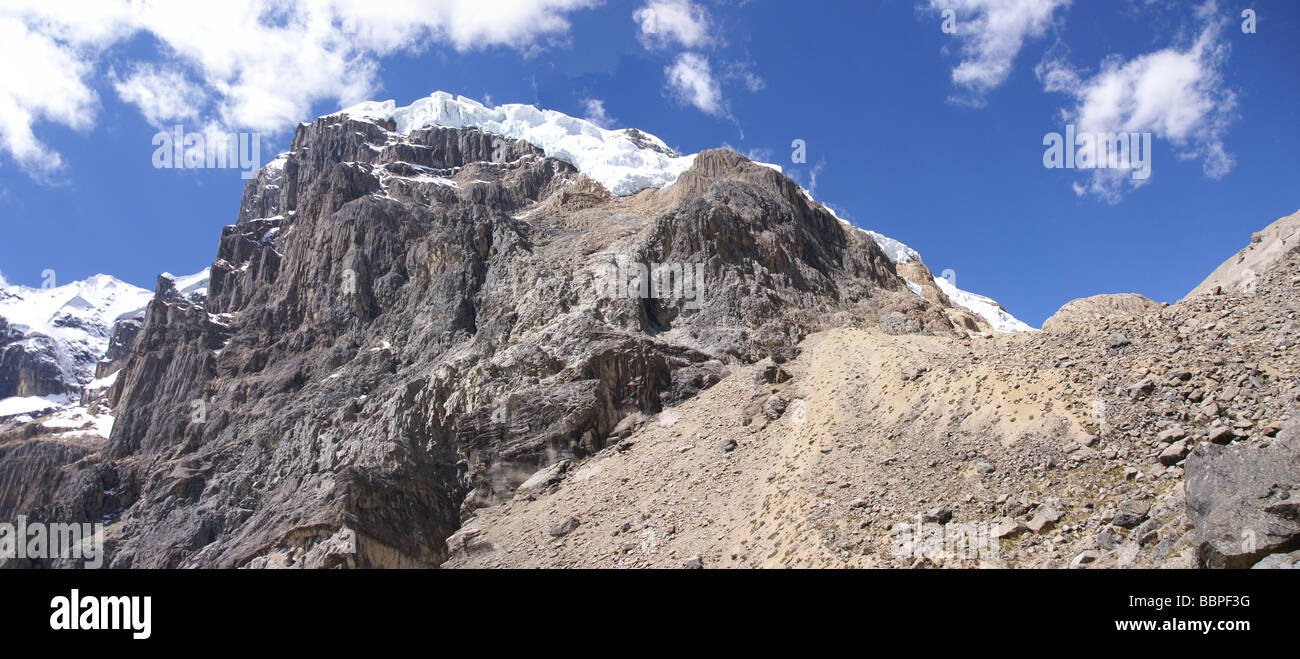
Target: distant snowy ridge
[[624, 161], [55, 336], [70, 324], [69, 327], [987, 308], [984, 307]]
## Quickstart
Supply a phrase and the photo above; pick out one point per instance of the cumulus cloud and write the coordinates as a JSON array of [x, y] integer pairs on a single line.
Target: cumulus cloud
[[1177, 94], [43, 81], [594, 111], [161, 95], [691, 81], [255, 64], [667, 25], [991, 34], [665, 22]]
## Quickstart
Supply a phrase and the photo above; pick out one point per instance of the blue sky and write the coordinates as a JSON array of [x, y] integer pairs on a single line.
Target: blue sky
[[933, 138]]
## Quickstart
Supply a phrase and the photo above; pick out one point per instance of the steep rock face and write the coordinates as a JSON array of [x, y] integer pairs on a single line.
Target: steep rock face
[[402, 326], [119, 345]]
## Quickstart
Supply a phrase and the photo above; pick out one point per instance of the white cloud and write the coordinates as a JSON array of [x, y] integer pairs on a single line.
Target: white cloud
[[691, 80], [161, 96], [466, 24], [594, 111], [43, 81], [257, 64], [1176, 94], [991, 34], [663, 22], [669, 24]]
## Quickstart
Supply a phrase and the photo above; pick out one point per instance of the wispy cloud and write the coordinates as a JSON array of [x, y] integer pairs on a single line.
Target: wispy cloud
[[742, 71], [690, 79], [991, 34], [594, 111], [812, 176]]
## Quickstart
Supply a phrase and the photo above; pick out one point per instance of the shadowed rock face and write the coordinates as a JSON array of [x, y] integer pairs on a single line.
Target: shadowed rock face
[[29, 366], [401, 328]]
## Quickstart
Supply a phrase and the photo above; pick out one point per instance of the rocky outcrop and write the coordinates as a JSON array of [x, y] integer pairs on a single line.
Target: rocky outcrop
[[1089, 313], [119, 345], [1239, 274], [1073, 448], [29, 366]]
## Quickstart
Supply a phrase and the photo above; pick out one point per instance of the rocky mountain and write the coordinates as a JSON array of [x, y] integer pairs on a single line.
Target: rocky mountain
[[455, 335]]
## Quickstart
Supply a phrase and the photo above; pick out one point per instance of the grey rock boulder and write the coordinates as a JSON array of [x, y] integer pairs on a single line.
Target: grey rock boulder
[[1244, 500], [1131, 513], [569, 525]]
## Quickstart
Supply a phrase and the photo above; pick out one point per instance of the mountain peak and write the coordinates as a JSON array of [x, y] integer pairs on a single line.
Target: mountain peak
[[624, 161]]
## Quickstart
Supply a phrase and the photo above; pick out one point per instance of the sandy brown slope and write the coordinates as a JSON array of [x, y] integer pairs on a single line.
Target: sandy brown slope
[[1059, 443]]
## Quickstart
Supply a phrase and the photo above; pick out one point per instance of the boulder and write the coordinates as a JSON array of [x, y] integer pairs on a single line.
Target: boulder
[[1244, 500]]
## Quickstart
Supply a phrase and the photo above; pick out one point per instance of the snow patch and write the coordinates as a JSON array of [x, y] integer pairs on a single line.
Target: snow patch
[[896, 251], [189, 285], [32, 405], [984, 307], [621, 160]]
